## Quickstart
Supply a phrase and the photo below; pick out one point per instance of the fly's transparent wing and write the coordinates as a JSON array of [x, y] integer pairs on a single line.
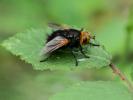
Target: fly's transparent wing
[[54, 44]]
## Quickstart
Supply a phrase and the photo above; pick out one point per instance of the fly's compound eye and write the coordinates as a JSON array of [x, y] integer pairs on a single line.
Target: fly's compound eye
[[85, 41]]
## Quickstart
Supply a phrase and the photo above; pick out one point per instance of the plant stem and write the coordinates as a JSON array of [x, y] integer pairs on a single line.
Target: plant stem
[[121, 75]]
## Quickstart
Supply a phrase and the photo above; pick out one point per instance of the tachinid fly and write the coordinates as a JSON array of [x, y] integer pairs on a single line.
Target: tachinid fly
[[65, 37]]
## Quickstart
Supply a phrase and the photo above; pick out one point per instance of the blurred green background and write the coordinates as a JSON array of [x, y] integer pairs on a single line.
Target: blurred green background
[[108, 19]]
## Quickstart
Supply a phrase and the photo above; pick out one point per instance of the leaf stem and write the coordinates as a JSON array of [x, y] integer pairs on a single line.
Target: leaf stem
[[117, 71]]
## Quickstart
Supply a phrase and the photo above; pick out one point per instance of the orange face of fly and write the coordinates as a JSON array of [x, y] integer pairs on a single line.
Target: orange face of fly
[[85, 38]]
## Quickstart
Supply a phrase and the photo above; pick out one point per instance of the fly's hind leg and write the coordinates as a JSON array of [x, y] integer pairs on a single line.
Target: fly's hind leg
[[81, 50], [44, 60]]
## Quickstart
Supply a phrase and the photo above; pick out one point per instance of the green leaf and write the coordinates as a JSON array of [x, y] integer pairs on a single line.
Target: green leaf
[[95, 91], [28, 45]]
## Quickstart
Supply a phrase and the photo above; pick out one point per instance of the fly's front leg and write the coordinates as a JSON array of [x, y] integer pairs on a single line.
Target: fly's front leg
[[81, 50], [92, 44]]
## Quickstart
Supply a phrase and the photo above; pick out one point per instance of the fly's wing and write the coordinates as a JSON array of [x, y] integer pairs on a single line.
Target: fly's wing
[[54, 44], [58, 26]]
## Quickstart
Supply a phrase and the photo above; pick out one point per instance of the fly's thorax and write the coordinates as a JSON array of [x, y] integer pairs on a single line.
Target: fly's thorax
[[72, 35]]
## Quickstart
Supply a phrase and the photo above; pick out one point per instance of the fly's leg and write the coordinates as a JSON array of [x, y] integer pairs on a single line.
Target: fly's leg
[[76, 61], [81, 50], [44, 60], [92, 44]]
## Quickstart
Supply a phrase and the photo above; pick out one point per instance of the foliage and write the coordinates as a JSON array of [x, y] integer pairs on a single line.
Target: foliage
[[95, 91], [107, 18]]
